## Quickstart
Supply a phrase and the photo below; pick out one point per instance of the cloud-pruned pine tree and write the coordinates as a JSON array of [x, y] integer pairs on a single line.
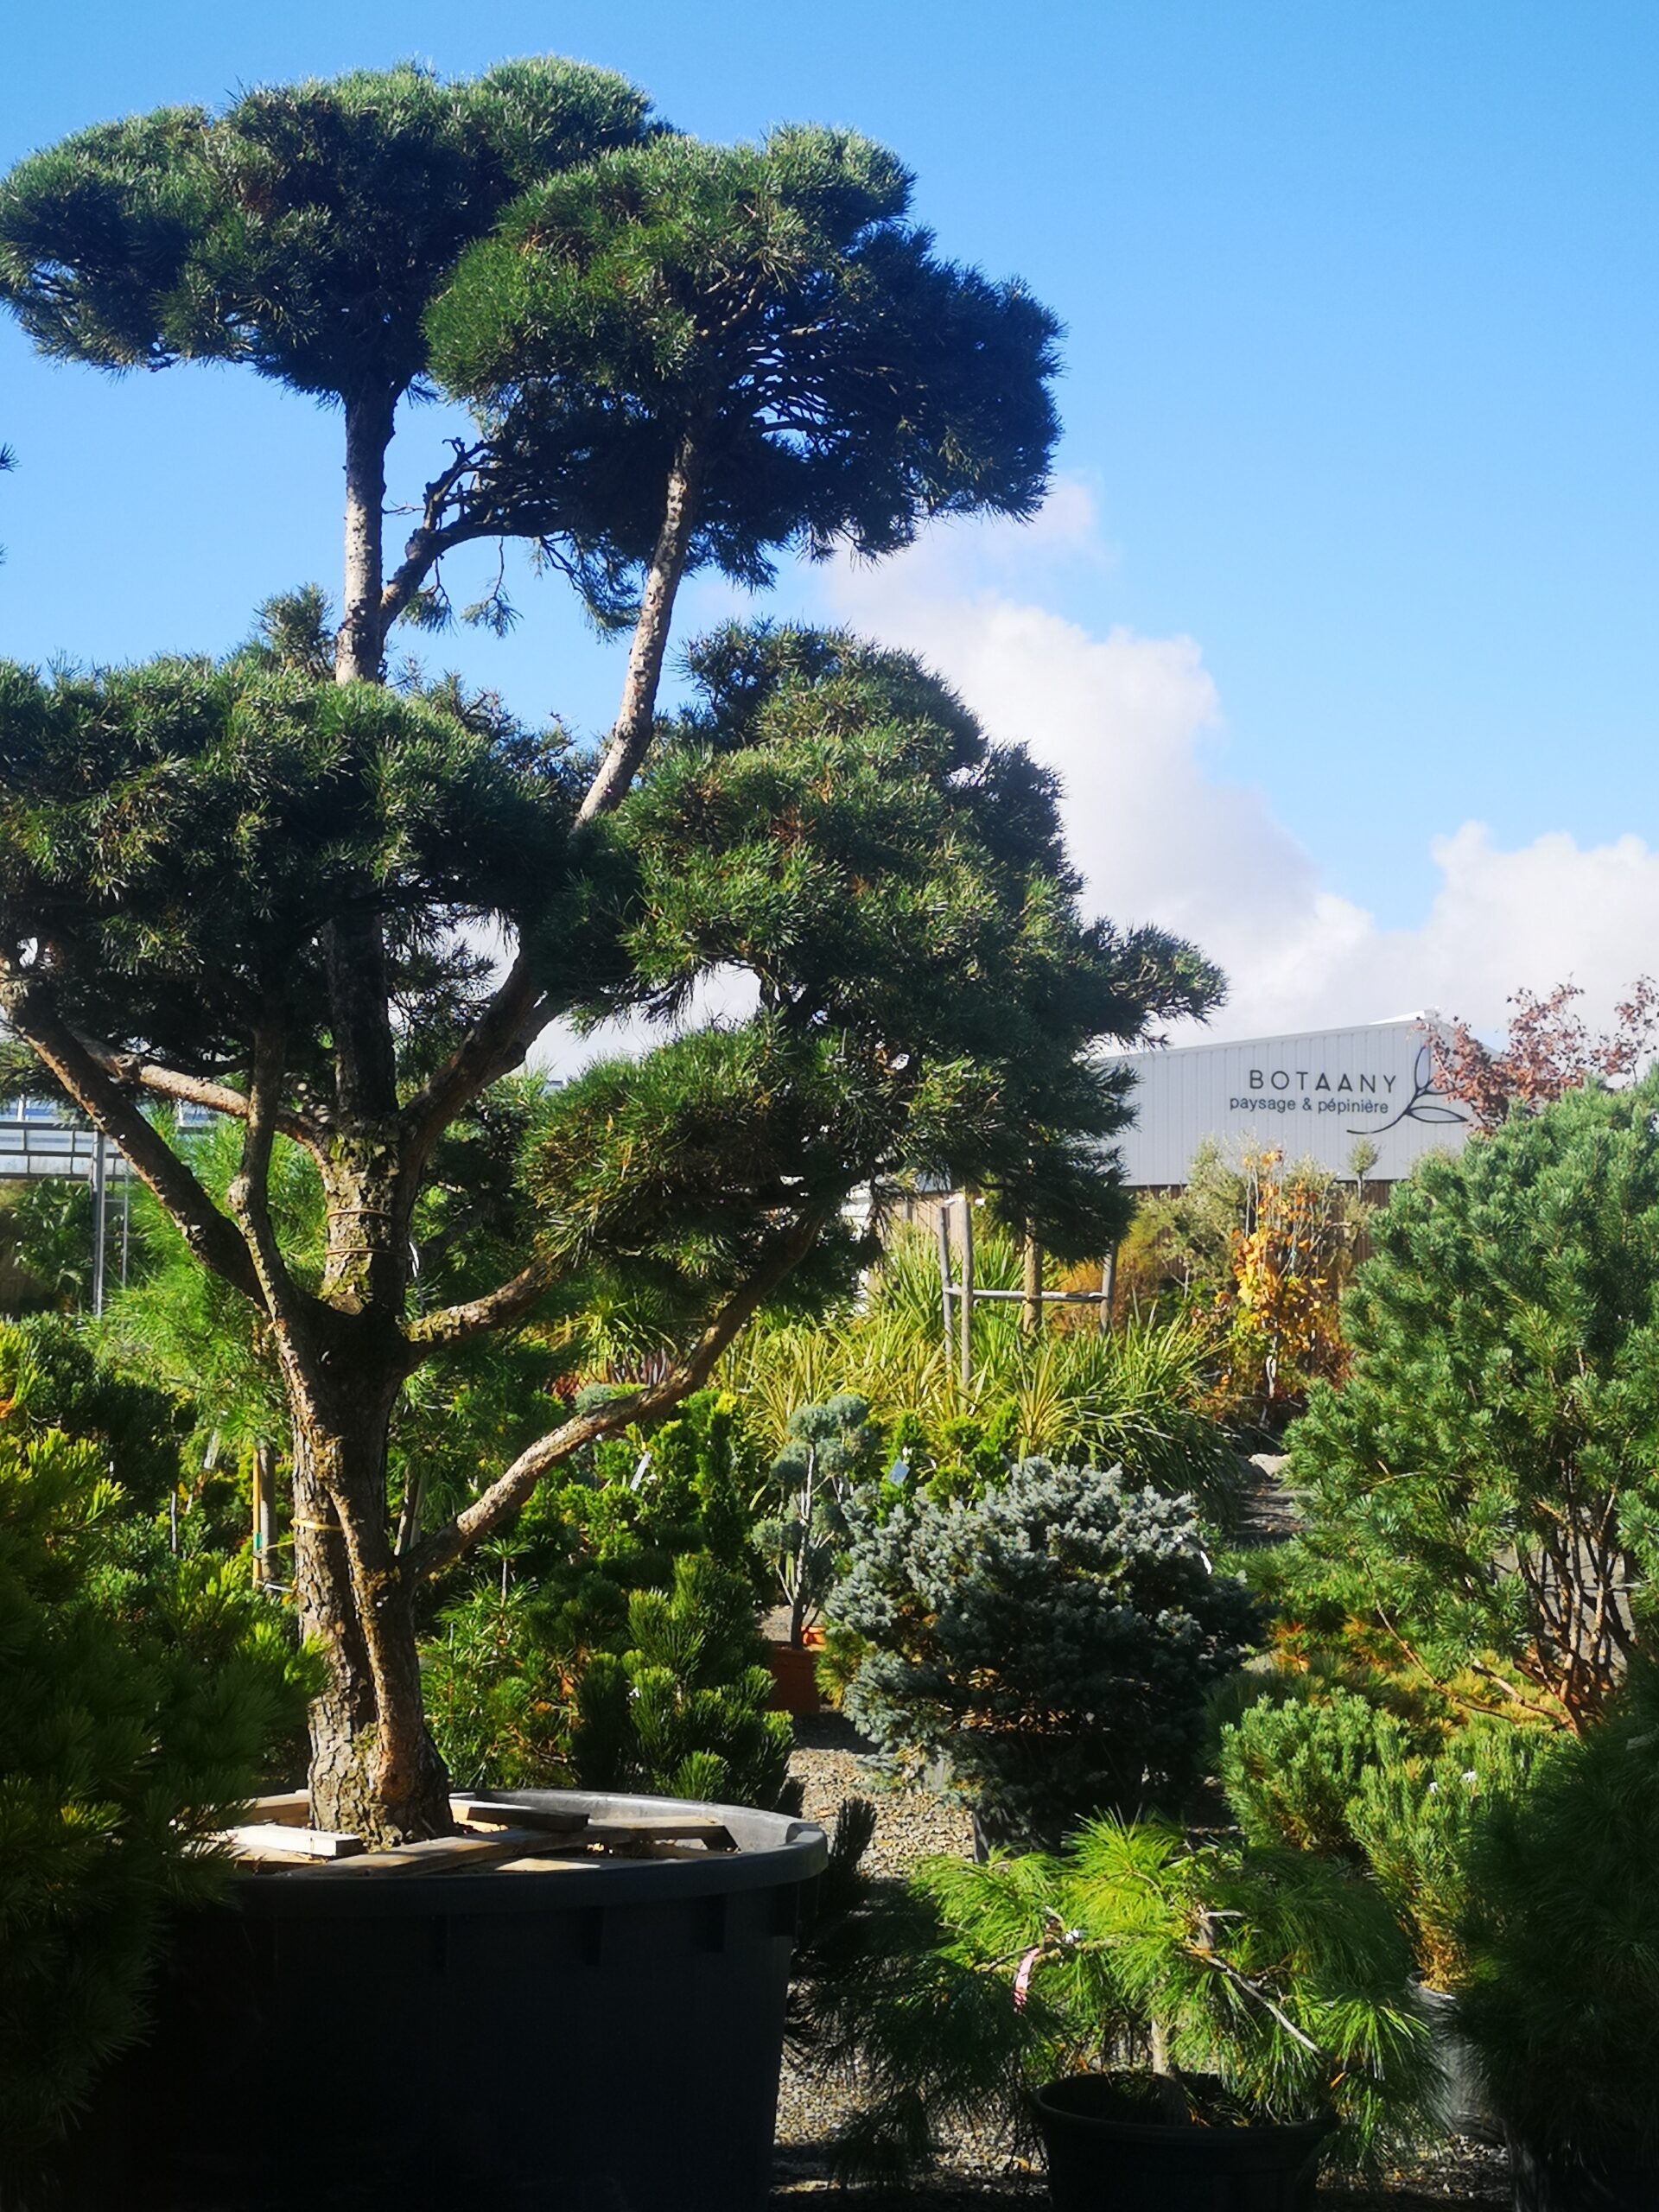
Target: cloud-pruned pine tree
[[698, 354], [304, 232], [238, 886]]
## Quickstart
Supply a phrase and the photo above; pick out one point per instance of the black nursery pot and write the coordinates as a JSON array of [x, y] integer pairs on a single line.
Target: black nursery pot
[[1605, 2176], [1102, 2155], [601, 2038]]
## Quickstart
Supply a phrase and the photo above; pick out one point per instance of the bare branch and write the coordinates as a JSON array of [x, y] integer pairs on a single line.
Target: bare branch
[[507, 1495], [214, 1239], [133, 1073], [456, 1325]]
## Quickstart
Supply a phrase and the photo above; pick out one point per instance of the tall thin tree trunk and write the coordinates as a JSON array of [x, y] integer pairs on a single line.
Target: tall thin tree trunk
[[360, 648], [632, 734]]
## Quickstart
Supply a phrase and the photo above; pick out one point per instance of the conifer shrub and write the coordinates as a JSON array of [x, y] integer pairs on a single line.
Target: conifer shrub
[[829, 1451], [1563, 1930], [1052, 1639], [140, 1697], [1262, 1985], [609, 1641], [1480, 1490], [1406, 1805]]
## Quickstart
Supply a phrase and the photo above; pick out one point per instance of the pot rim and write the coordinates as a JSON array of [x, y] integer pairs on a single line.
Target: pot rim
[[1309, 2131], [775, 1851]]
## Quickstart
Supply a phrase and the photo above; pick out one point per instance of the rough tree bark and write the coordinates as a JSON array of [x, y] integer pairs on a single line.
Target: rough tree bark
[[630, 735], [360, 648]]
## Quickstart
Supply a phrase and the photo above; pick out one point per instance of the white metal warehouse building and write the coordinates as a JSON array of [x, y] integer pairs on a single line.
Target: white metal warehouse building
[[1312, 1096]]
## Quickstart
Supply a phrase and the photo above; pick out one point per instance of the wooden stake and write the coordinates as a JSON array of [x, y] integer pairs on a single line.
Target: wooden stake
[[965, 1295], [1031, 1314]]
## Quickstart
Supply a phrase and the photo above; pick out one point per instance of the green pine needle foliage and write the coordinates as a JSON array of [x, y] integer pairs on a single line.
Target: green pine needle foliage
[[1563, 2008], [1277, 1972], [1340, 1775], [140, 1699], [610, 1641], [1480, 1490]]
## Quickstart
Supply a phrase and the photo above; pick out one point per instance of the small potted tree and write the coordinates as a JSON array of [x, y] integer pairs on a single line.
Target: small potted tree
[[831, 1449]]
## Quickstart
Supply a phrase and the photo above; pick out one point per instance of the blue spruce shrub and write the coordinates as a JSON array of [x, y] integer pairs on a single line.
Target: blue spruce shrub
[[1052, 1639]]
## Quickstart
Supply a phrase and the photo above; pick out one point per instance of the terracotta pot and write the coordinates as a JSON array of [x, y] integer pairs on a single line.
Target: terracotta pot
[[794, 1675]]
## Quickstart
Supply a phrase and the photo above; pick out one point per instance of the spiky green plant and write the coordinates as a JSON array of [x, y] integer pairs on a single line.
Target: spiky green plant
[[1279, 1972]]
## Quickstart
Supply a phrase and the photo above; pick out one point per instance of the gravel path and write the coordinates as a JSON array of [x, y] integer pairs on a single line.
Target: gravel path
[[984, 2174]]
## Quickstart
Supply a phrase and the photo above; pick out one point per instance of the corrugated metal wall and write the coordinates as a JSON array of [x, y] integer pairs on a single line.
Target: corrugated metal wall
[[1312, 1095]]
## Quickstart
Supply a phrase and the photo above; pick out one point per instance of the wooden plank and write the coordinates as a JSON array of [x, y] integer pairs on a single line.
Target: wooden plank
[[455, 1854], [291, 1807], [265, 1839], [490, 1812], [662, 1827]]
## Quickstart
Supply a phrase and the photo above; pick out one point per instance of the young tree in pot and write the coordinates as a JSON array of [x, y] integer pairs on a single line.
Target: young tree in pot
[[830, 1448], [1242, 2004]]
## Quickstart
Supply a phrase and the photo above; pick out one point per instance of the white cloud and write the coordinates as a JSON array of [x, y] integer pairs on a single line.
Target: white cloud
[[1129, 723]]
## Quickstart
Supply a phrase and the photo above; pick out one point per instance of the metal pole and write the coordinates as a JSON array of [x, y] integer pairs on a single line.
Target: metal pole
[[126, 1224], [265, 1509], [100, 1215], [965, 1295]]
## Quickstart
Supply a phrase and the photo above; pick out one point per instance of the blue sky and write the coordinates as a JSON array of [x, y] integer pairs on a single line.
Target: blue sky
[[1362, 302]]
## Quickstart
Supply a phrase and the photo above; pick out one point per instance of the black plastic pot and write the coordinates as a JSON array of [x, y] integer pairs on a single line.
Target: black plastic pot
[[1099, 2156], [1604, 2176], [1461, 2103], [597, 2038]]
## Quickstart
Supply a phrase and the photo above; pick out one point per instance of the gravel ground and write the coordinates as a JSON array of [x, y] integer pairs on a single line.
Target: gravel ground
[[984, 2173]]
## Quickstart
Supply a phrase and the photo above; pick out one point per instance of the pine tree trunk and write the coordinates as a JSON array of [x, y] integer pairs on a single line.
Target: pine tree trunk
[[632, 734], [375, 1771], [360, 648]]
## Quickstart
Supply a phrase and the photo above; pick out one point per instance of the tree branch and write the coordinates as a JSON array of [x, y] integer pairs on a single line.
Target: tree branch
[[250, 1199], [456, 1325], [134, 1073], [492, 1047], [631, 737], [214, 1239], [507, 1495]]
